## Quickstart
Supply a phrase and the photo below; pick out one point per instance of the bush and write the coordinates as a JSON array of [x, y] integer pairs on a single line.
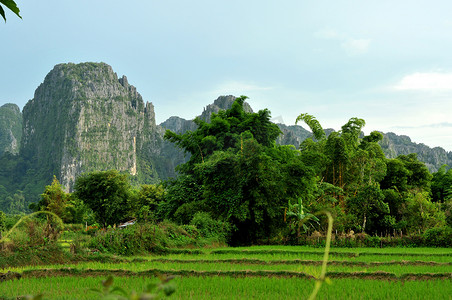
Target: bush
[[132, 240], [33, 233], [11, 220], [372, 241], [438, 237], [210, 228], [177, 235], [147, 238], [413, 240]]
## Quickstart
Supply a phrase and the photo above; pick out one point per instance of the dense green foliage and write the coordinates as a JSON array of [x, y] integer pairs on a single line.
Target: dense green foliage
[[372, 194], [238, 174], [65, 205], [106, 193], [20, 185]]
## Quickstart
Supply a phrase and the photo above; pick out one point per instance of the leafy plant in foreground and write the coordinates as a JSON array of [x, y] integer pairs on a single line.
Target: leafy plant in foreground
[[11, 5]]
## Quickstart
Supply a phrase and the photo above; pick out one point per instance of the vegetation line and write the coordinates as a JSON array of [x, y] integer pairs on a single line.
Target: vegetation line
[[37, 273], [249, 261], [335, 253]]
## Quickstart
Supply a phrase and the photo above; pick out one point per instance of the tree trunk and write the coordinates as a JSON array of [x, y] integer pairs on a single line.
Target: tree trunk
[[364, 223]]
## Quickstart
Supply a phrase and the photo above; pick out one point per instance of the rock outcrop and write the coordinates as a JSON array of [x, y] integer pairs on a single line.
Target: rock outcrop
[[10, 128], [394, 145], [84, 118]]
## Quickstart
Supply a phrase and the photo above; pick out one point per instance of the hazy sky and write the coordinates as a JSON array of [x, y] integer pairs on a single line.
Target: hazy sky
[[388, 62]]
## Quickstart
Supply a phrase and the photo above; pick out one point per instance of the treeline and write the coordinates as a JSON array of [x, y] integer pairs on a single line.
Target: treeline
[[241, 183]]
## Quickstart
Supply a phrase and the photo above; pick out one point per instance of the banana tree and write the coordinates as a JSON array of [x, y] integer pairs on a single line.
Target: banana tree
[[298, 217]]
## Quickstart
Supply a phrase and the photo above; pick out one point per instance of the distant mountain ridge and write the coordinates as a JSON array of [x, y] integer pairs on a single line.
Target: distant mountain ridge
[[394, 145], [83, 117]]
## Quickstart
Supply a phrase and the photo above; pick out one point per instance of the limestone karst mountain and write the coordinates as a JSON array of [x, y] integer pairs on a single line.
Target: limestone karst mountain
[[84, 118]]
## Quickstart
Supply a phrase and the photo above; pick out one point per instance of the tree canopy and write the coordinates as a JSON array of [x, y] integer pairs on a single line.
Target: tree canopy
[[238, 174], [106, 193]]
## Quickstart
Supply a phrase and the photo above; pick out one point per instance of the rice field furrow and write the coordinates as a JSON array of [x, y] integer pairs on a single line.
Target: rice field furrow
[[302, 262], [378, 275]]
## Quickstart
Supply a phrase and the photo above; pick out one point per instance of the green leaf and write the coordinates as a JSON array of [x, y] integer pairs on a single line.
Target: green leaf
[[2, 12], [12, 6]]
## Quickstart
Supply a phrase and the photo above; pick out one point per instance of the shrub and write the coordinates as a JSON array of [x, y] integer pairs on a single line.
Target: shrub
[[438, 237], [413, 240], [176, 235], [141, 239], [11, 220], [33, 233], [372, 241], [210, 228]]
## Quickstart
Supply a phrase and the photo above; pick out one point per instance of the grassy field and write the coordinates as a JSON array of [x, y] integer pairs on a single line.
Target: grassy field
[[267, 272]]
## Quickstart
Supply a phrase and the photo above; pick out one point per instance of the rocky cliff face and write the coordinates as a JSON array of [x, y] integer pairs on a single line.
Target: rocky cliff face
[[10, 128], [394, 145], [292, 135], [84, 118]]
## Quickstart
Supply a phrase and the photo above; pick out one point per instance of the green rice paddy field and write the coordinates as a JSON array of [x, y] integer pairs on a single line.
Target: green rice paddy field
[[267, 272]]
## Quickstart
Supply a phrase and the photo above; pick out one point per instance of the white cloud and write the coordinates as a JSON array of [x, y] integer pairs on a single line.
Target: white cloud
[[425, 81], [356, 46]]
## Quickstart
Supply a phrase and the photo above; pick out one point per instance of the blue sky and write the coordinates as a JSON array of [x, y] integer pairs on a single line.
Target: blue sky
[[388, 62]]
